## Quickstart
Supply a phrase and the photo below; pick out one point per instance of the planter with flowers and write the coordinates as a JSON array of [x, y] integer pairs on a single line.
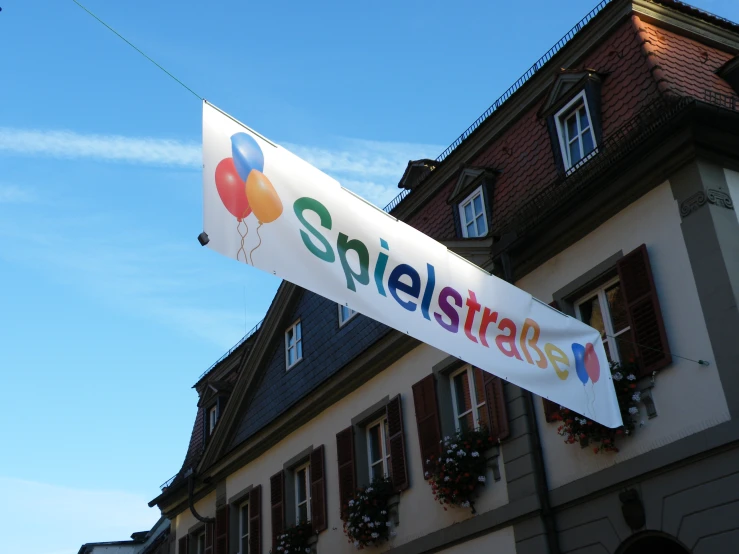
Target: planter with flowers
[[459, 472], [580, 430], [367, 520], [296, 539]]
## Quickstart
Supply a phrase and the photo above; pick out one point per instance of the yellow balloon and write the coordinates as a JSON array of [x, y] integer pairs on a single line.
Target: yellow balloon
[[262, 197]]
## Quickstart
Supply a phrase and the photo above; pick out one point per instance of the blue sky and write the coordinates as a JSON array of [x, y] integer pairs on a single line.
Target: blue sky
[[109, 308]]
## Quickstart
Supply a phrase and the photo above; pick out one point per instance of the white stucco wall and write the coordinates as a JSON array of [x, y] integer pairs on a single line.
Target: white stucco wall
[[688, 397], [418, 512], [500, 542]]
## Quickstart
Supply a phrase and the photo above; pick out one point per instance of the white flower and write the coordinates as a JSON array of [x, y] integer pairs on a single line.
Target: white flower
[[449, 451], [366, 518], [447, 439], [448, 460], [617, 376], [369, 489], [393, 533], [631, 377], [454, 446], [641, 423], [633, 410], [636, 397], [383, 512], [461, 453], [481, 478], [426, 474], [371, 525], [475, 454], [447, 478], [356, 544], [375, 535], [387, 524], [351, 503], [465, 504], [307, 550], [626, 431]]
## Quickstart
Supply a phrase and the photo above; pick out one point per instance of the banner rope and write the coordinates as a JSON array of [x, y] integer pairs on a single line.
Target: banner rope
[[124, 39], [251, 254], [699, 362]]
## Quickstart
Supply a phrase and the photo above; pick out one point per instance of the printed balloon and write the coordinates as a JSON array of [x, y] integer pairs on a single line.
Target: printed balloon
[[231, 189], [578, 351], [592, 365], [263, 197], [247, 154]]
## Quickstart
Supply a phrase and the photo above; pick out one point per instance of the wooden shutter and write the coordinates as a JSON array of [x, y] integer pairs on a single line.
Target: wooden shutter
[[277, 500], [398, 468], [347, 467], [496, 403], [427, 419], [209, 538], [644, 314], [550, 408], [184, 545], [318, 489], [221, 534], [255, 520]]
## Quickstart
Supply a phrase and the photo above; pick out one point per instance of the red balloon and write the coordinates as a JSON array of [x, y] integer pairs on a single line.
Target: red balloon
[[232, 189], [592, 365]]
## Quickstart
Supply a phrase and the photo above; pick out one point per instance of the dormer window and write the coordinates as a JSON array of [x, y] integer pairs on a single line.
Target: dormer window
[[212, 419], [575, 130], [472, 215], [293, 344]]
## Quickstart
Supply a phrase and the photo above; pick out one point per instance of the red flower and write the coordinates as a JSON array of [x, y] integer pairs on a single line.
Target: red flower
[[595, 449]]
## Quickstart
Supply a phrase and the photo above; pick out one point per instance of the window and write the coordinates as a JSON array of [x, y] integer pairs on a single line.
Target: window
[[302, 493], [575, 130], [378, 450], [200, 543], [212, 419], [472, 215], [244, 528], [345, 314], [293, 345], [468, 399], [604, 309]]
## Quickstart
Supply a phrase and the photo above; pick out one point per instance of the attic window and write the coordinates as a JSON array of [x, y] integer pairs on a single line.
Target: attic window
[[575, 131], [293, 344], [472, 215], [212, 419]]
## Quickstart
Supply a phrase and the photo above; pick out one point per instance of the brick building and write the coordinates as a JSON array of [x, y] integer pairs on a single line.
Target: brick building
[[602, 182]]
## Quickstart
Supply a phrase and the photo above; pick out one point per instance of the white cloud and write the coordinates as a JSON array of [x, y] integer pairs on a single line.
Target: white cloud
[[13, 194], [114, 148], [69, 517]]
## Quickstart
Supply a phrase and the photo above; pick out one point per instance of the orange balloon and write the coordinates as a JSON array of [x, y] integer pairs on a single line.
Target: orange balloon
[[263, 198]]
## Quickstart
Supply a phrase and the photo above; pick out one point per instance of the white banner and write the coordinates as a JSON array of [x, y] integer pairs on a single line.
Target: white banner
[[267, 208]]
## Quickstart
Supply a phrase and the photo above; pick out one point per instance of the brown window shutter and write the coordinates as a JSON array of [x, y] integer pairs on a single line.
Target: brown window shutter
[[347, 467], [318, 489], [255, 520], [427, 418], [398, 469], [184, 545], [221, 534], [550, 408], [497, 409], [277, 500], [645, 316], [209, 528]]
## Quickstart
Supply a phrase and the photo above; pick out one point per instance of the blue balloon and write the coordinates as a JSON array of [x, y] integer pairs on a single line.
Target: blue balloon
[[578, 350], [246, 154]]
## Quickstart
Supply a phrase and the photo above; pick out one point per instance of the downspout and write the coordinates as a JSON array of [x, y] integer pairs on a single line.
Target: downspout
[[190, 491], [542, 487]]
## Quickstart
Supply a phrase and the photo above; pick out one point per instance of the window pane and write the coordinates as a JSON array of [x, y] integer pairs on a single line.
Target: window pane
[[584, 123], [303, 513], [298, 331], [376, 472], [477, 202], [617, 307], [301, 480], [590, 314], [482, 226], [375, 439], [626, 351], [245, 545], [468, 212], [471, 230], [299, 351], [290, 337], [462, 393], [466, 423], [571, 127], [575, 152], [291, 356], [587, 142], [482, 417], [244, 520]]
